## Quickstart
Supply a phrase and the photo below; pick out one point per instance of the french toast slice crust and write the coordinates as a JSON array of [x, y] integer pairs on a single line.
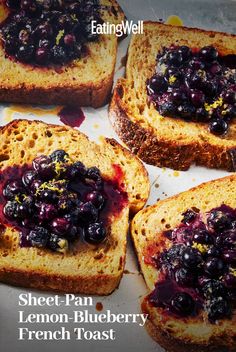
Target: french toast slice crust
[[164, 141], [84, 269], [182, 334], [85, 82]]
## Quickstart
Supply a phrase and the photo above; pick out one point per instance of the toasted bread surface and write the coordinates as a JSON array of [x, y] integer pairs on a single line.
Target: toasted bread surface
[[85, 82], [85, 268], [182, 334], [165, 141]]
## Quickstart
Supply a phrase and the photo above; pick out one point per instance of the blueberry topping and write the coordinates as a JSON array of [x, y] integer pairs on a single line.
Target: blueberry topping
[[55, 202], [198, 270], [64, 25], [195, 85]]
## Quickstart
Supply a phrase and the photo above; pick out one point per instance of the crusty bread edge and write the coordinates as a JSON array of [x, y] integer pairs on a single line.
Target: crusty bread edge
[[160, 152], [94, 95], [91, 285]]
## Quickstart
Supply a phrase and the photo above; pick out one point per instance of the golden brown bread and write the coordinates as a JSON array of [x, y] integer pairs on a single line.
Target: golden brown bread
[[187, 334], [84, 269], [85, 82], [165, 141]]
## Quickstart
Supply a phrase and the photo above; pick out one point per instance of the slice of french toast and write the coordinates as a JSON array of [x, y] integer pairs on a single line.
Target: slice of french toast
[[83, 81], [171, 324], [85, 268], [169, 141]]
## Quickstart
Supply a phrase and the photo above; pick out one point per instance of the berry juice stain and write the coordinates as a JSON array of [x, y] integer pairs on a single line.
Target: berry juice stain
[[72, 116]]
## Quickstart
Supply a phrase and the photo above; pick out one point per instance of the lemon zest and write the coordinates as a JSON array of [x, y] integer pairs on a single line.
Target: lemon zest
[[172, 79], [233, 271], [74, 18], [203, 248], [17, 199], [215, 105], [59, 36]]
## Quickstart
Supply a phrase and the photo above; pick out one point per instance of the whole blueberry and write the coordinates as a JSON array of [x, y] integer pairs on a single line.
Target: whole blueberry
[[28, 177], [88, 212], [40, 160], [174, 58], [157, 84], [60, 226], [48, 195], [93, 173], [95, 198], [47, 212], [38, 236], [95, 233], [184, 277], [189, 216], [25, 52], [202, 236], [191, 258], [182, 303], [214, 288], [168, 108], [10, 210], [76, 170], [197, 98], [185, 52], [208, 53], [214, 267], [219, 220], [12, 189], [219, 308], [59, 156]]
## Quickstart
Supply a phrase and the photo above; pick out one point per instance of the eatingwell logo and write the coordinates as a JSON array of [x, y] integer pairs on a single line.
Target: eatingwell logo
[[123, 28]]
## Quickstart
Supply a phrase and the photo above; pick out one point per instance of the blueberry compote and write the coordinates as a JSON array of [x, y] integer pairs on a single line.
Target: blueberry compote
[[195, 85], [50, 32], [198, 270], [55, 201]]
